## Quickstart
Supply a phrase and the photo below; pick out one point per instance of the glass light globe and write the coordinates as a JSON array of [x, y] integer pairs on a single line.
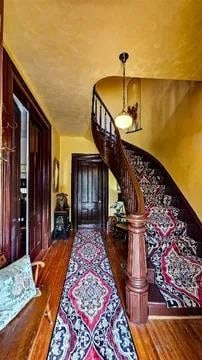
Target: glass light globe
[[123, 120]]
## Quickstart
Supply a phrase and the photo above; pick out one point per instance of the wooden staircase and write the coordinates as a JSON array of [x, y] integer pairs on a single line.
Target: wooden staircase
[[190, 227], [143, 297]]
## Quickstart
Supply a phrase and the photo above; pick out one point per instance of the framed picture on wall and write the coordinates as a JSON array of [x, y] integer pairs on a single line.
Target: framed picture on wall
[[56, 168]]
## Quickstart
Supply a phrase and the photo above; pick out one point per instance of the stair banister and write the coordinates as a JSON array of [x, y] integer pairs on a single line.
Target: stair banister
[[108, 141]]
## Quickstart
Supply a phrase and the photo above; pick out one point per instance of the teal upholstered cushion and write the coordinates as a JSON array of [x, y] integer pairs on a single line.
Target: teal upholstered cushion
[[17, 288]]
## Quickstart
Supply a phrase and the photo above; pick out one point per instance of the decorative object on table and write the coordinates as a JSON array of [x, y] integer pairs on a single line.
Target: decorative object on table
[[111, 224], [61, 217], [56, 167], [61, 202], [91, 322], [119, 212], [118, 223]]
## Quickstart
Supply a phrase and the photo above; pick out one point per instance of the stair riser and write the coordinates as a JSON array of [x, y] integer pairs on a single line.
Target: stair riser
[[150, 276]]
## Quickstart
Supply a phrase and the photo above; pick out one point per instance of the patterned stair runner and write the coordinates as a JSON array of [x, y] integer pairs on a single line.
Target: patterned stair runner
[[178, 270], [91, 323]]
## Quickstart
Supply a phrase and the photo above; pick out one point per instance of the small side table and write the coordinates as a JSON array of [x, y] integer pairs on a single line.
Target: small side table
[[61, 224]]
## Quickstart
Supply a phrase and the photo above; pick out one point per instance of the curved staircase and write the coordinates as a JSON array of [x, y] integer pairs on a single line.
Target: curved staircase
[[164, 269]]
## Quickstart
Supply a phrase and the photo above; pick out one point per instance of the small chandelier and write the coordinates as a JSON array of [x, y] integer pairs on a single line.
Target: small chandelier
[[123, 120]]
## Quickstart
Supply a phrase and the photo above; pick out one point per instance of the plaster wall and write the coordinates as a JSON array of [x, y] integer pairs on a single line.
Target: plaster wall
[[55, 148]]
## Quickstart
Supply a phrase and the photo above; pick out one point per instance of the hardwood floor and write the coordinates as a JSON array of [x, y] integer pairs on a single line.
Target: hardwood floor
[[179, 339], [56, 260], [169, 339]]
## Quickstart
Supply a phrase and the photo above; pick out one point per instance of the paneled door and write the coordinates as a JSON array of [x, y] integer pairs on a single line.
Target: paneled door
[[15, 185], [35, 189], [90, 191]]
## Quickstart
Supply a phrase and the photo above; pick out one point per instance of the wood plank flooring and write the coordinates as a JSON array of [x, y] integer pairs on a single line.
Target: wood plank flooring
[[56, 260], [179, 339]]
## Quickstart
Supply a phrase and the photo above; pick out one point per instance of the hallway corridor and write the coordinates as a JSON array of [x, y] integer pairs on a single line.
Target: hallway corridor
[[177, 339], [91, 323]]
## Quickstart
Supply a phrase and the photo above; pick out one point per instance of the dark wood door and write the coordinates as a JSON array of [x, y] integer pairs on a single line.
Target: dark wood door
[[15, 185], [35, 189], [90, 191]]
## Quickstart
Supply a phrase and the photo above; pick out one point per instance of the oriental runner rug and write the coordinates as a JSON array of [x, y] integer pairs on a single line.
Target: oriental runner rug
[[178, 269], [91, 323]]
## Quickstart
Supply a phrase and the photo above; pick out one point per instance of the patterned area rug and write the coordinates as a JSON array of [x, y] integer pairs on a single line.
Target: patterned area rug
[[91, 323], [178, 270]]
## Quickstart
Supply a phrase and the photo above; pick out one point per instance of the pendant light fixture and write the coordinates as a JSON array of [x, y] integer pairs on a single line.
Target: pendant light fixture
[[124, 120]]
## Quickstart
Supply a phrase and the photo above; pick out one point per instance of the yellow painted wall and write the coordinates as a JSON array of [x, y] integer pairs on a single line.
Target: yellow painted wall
[[70, 145], [55, 154], [172, 130]]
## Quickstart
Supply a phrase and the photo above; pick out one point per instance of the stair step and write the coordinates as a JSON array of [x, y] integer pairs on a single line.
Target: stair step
[[175, 201], [157, 305], [156, 302], [184, 215], [194, 232], [199, 249], [150, 272]]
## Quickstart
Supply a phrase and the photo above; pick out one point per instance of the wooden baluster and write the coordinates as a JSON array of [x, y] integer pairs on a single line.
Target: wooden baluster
[[105, 121], [100, 117], [137, 286], [113, 130], [96, 110], [110, 127], [132, 196], [126, 182], [93, 107], [107, 149]]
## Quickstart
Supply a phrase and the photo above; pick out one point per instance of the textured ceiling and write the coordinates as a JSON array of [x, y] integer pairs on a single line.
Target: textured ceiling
[[62, 48]]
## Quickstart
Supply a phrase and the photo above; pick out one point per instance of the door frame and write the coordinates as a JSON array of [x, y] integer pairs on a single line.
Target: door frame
[[74, 176], [13, 83]]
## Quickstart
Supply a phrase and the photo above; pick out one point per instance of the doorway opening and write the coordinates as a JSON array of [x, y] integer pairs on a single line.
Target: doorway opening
[[23, 245], [89, 191]]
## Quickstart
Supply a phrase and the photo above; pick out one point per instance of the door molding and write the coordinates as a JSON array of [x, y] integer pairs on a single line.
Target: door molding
[[90, 158], [13, 83]]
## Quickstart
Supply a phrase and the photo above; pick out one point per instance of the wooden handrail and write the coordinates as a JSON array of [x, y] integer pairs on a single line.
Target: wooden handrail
[[108, 141], [138, 193]]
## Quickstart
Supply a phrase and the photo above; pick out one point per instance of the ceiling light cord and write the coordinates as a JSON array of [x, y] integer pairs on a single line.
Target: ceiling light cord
[[124, 87], [123, 120]]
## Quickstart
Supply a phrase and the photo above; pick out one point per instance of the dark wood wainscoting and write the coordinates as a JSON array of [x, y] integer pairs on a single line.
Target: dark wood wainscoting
[[39, 192], [89, 191]]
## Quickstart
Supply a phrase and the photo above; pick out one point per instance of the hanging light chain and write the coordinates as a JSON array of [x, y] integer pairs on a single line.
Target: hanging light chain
[[124, 87], [123, 57], [123, 120]]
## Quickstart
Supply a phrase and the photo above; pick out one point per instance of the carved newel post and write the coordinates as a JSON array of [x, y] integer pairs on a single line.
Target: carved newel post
[[137, 286]]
